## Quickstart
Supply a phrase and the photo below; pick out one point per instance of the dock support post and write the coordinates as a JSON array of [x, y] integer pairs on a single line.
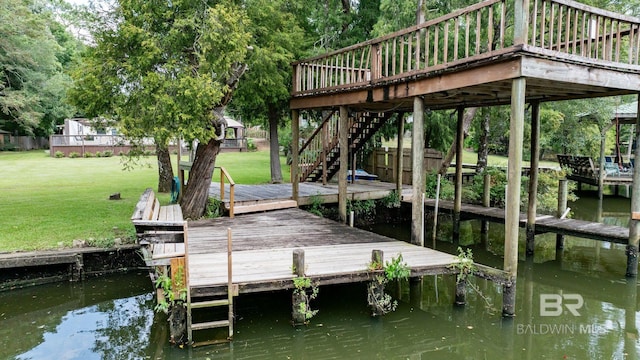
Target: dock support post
[[298, 298], [295, 144], [417, 161], [343, 141], [461, 292], [533, 177], [563, 193], [486, 201], [399, 154], [634, 223], [375, 290], [512, 207], [457, 205], [630, 319]]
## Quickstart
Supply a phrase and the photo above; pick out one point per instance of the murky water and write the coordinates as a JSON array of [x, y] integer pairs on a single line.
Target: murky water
[[113, 318]]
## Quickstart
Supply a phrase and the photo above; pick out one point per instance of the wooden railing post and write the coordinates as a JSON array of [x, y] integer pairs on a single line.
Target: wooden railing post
[[376, 62], [521, 21]]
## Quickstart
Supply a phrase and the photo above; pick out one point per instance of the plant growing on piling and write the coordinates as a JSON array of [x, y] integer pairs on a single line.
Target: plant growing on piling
[[304, 290], [165, 283], [465, 268], [380, 302]]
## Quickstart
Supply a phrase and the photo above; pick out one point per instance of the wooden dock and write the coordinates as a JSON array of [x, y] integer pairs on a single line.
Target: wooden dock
[[250, 198], [544, 223], [263, 245]]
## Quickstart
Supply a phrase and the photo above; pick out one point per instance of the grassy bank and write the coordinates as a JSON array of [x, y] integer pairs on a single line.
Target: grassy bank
[[48, 202]]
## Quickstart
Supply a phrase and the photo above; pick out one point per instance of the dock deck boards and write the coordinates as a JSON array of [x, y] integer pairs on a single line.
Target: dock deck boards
[[360, 190], [544, 223], [263, 245]]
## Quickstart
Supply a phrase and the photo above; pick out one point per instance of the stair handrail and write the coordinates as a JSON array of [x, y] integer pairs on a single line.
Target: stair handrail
[[316, 131], [225, 174]]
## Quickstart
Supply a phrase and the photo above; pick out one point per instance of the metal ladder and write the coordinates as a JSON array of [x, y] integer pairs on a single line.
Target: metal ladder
[[231, 292]]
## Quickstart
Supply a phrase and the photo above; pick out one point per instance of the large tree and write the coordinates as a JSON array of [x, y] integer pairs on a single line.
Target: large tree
[[168, 70], [263, 93], [35, 51]]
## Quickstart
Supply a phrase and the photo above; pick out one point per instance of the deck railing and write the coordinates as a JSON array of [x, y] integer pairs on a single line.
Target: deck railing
[[561, 28], [225, 174], [576, 29]]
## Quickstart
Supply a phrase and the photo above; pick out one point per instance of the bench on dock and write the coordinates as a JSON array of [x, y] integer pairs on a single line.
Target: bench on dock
[[155, 223], [580, 168]]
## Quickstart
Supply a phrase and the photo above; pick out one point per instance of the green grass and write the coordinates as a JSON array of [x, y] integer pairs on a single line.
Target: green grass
[[49, 202]]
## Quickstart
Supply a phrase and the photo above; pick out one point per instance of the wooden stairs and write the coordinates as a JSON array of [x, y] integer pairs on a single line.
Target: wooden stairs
[[320, 155], [206, 307]]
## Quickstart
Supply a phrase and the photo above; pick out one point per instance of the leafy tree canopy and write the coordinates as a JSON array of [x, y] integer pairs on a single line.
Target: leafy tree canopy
[[35, 51]]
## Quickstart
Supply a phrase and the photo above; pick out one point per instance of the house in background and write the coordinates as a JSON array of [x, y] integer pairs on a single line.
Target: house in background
[[81, 136]]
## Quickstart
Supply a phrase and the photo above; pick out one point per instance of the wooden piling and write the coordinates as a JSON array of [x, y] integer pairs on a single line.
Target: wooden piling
[[634, 223], [533, 178], [417, 161], [295, 144], [563, 193], [298, 262], [486, 201], [461, 292], [512, 206], [399, 154], [375, 289], [457, 205], [298, 298], [343, 141]]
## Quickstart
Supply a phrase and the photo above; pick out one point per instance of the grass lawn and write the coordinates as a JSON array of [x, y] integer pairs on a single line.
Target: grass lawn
[[48, 202]]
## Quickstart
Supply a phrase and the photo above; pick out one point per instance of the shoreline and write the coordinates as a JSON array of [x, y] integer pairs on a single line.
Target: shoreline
[[32, 268]]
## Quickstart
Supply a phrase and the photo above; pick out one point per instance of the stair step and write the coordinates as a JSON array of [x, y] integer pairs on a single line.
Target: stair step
[[210, 325], [209, 303]]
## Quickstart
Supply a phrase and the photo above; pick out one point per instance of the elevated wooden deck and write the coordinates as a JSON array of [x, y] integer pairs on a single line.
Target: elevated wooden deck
[[263, 245], [544, 223], [564, 50]]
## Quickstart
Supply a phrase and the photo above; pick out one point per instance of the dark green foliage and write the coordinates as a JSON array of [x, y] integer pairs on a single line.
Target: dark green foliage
[[447, 188]]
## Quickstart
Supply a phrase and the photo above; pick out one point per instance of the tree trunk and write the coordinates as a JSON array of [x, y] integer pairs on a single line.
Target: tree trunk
[[165, 170], [466, 121], [274, 149], [483, 147], [196, 192]]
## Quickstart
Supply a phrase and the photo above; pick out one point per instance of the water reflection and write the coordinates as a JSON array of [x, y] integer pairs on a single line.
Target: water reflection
[[112, 318]]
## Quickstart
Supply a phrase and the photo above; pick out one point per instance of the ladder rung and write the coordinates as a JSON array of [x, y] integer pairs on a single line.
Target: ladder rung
[[209, 342], [209, 303], [210, 325]]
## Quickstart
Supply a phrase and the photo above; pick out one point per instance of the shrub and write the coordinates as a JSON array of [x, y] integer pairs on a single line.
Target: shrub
[[59, 154], [107, 153], [447, 189], [74, 155], [88, 155], [8, 147], [251, 146], [98, 154]]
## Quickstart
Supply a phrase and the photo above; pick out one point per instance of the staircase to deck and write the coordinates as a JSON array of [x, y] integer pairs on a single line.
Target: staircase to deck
[[320, 155]]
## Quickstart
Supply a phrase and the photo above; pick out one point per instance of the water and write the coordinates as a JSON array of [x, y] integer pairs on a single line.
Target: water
[[113, 318]]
